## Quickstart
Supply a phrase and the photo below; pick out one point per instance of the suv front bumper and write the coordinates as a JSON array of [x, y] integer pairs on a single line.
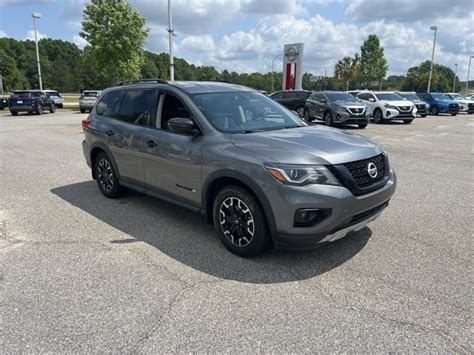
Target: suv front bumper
[[349, 213]]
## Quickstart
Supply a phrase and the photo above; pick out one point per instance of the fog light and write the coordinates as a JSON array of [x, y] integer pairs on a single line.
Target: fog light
[[388, 113], [306, 217]]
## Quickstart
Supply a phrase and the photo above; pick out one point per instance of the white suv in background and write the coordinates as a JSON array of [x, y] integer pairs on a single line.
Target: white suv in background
[[465, 104], [384, 106]]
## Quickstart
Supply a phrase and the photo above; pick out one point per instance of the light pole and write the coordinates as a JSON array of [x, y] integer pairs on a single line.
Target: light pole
[[433, 28], [170, 35], [273, 70], [468, 70], [1, 77], [455, 72], [36, 15]]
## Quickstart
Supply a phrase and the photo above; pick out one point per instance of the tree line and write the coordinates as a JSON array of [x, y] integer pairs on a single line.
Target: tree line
[[116, 34]]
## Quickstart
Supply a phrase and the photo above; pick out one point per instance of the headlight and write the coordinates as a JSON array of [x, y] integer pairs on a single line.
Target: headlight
[[390, 106], [301, 175]]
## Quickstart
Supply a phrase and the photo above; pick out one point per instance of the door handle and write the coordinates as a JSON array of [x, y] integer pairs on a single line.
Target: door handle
[[109, 133], [151, 143]]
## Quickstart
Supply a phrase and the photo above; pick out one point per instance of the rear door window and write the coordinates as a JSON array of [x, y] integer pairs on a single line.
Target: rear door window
[[108, 104], [137, 106]]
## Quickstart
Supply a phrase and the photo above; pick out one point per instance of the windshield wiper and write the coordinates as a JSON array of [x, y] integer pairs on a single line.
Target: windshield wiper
[[251, 131]]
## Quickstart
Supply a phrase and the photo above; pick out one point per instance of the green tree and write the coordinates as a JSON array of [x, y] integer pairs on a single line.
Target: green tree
[[116, 34], [417, 78], [373, 65], [12, 78], [346, 69]]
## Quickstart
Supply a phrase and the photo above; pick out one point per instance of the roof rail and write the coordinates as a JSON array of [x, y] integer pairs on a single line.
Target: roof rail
[[142, 81]]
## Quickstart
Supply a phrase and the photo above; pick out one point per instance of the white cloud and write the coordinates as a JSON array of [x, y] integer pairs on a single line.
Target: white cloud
[[79, 41], [286, 7], [31, 35], [3, 34], [198, 44]]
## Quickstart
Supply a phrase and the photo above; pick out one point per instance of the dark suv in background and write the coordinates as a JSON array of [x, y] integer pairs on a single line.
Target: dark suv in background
[[336, 107], [421, 106], [260, 174], [31, 101], [292, 99]]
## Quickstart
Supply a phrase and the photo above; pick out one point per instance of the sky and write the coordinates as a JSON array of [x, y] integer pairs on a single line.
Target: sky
[[244, 35]]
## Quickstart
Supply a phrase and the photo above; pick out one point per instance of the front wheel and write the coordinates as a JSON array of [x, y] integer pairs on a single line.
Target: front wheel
[[328, 118], [307, 116], [106, 176], [378, 115], [39, 110], [362, 124], [240, 222], [52, 109], [83, 111], [407, 121], [434, 111], [423, 115]]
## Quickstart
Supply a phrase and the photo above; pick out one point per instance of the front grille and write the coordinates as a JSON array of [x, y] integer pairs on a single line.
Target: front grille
[[404, 108], [359, 170], [453, 107], [470, 106], [356, 110], [420, 107]]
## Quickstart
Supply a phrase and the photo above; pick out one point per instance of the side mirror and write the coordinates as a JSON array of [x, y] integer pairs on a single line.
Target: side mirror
[[323, 101], [182, 125], [371, 99]]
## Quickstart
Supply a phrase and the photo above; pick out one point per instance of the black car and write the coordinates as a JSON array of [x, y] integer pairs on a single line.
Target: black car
[[31, 101], [4, 102], [336, 107], [421, 106], [292, 99]]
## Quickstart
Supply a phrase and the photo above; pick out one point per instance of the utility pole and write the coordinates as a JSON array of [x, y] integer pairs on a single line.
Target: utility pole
[[36, 15], [1, 77], [433, 28], [325, 79], [468, 70], [170, 35], [455, 72]]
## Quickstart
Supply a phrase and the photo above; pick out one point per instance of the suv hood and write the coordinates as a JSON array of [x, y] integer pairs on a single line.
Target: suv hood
[[350, 104], [398, 102], [308, 145]]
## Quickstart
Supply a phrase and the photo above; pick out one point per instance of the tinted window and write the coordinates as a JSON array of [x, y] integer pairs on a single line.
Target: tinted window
[[277, 95], [314, 97], [389, 96], [303, 94], [289, 95], [440, 96], [90, 94], [341, 96], [107, 105], [363, 96], [409, 96], [136, 106]]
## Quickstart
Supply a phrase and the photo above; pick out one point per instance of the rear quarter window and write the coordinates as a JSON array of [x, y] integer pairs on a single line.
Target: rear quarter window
[[108, 103]]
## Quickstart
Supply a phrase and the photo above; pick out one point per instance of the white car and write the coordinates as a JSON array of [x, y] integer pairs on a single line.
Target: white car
[[56, 97], [465, 104], [388, 106]]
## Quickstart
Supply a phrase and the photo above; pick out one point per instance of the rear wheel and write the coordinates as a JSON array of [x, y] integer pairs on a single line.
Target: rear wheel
[[434, 110], [378, 115], [240, 222], [307, 116], [362, 124], [14, 113], [407, 121], [106, 176], [83, 111], [52, 108], [453, 114], [328, 118], [39, 109], [423, 115]]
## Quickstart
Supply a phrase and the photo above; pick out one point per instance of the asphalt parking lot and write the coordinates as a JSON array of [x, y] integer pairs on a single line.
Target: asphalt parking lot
[[82, 273]]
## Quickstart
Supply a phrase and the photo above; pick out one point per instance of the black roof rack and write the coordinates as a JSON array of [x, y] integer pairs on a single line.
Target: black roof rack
[[142, 81]]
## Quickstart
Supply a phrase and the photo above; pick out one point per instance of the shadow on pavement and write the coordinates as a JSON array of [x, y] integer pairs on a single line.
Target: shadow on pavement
[[186, 237]]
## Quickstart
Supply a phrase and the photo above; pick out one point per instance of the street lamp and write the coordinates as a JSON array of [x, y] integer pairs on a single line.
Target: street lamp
[[435, 29], [36, 15], [171, 34], [455, 72], [468, 70]]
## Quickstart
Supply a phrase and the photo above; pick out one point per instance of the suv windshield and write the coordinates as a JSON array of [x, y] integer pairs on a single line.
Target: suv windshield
[[244, 112], [389, 96], [341, 96], [440, 96], [409, 96]]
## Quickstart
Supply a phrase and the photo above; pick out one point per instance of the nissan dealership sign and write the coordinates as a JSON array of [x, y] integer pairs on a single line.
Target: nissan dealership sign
[[293, 66]]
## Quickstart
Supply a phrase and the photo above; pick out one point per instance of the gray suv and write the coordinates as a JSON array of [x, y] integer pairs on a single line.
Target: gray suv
[[260, 174]]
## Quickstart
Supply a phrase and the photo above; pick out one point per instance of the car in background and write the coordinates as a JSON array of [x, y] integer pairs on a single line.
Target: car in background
[[421, 106], [88, 99], [354, 92], [4, 103], [469, 96], [465, 104], [56, 97], [439, 103], [336, 107], [294, 100], [388, 106], [31, 101]]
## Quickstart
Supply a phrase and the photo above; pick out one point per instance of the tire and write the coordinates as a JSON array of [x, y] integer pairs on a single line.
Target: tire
[[14, 113], [106, 176], [60, 105], [407, 121], [434, 111], [52, 108], [300, 110], [236, 211], [39, 110], [83, 111], [307, 117], [362, 125], [328, 118], [378, 115], [453, 114], [423, 115]]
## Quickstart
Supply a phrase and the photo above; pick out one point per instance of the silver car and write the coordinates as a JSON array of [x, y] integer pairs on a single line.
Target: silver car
[[88, 99], [259, 173], [55, 96]]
